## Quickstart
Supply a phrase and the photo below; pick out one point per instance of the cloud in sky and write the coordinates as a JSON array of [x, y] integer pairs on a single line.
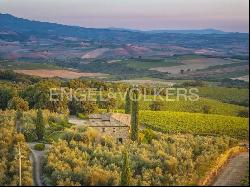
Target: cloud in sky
[[229, 15]]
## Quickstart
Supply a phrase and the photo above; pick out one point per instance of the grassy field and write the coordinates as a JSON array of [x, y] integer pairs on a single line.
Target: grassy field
[[152, 63], [7, 64], [235, 63], [58, 73], [227, 95], [143, 63], [194, 64]]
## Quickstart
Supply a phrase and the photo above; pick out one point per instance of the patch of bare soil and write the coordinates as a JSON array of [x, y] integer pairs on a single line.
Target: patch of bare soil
[[95, 53], [243, 78], [149, 82]]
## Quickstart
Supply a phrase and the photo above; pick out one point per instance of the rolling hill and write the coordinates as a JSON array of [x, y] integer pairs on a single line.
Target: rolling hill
[[123, 53]]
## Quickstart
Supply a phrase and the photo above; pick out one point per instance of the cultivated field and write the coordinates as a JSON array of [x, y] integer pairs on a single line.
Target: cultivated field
[[59, 73], [194, 64], [147, 82]]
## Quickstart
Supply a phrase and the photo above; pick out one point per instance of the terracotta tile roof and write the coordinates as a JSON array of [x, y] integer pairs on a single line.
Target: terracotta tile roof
[[123, 118]]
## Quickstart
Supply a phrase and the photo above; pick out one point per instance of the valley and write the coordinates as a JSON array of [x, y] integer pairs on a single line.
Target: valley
[[123, 54], [114, 107]]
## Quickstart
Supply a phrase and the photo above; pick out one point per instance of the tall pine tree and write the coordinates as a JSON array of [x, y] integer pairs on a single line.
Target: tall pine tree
[[125, 173], [135, 116], [128, 103], [40, 125]]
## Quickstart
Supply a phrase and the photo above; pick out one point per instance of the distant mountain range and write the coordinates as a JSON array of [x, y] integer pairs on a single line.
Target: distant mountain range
[[13, 29], [193, 31], [197, 31], [9, 22]]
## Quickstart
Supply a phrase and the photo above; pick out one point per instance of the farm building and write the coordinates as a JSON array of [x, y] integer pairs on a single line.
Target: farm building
[[112, 124]]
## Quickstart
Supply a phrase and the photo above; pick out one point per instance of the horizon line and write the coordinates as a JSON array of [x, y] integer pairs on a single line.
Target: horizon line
[[132, 29]]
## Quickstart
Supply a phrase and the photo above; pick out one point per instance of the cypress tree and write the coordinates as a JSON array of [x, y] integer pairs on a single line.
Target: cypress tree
[[125, 173], [19, 120], [40, 125], [128, 103], [98, 101], [135, 116]]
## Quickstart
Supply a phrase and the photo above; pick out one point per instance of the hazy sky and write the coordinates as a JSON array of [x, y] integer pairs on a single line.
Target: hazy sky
[[228, 15]]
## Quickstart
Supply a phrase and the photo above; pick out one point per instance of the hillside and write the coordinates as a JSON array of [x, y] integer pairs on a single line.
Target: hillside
[[124, 93], [123, 53], [21, 29]]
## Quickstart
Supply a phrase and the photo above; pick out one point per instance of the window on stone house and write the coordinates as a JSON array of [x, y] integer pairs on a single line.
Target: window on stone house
[[113, 129], [119, 140], [103, 129]]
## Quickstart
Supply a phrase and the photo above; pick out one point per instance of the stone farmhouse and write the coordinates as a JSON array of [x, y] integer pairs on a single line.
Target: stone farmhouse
[[116, 125]]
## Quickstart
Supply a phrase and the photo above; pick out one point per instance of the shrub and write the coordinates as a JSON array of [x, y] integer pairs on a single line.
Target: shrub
[[58, 119], [68, 136], [156, 106], [243, 113], [39, 147], [56, 127], [30, 135], [148, 135], [82, 116], [18, 103], [206, 109]]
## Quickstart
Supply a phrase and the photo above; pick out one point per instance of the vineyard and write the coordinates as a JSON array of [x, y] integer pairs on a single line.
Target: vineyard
[[221, 103], [179, 122], [214, 106]]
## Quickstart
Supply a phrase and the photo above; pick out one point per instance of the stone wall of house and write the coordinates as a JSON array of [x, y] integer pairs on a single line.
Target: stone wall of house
[[114, 125], [115, 132]]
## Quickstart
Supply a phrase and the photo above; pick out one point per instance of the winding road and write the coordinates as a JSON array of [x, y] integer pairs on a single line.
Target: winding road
[[37, 157], [233, 173]]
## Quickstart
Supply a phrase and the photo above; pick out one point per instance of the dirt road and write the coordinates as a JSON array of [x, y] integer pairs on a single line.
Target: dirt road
[[36, 159], [233, 173]]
